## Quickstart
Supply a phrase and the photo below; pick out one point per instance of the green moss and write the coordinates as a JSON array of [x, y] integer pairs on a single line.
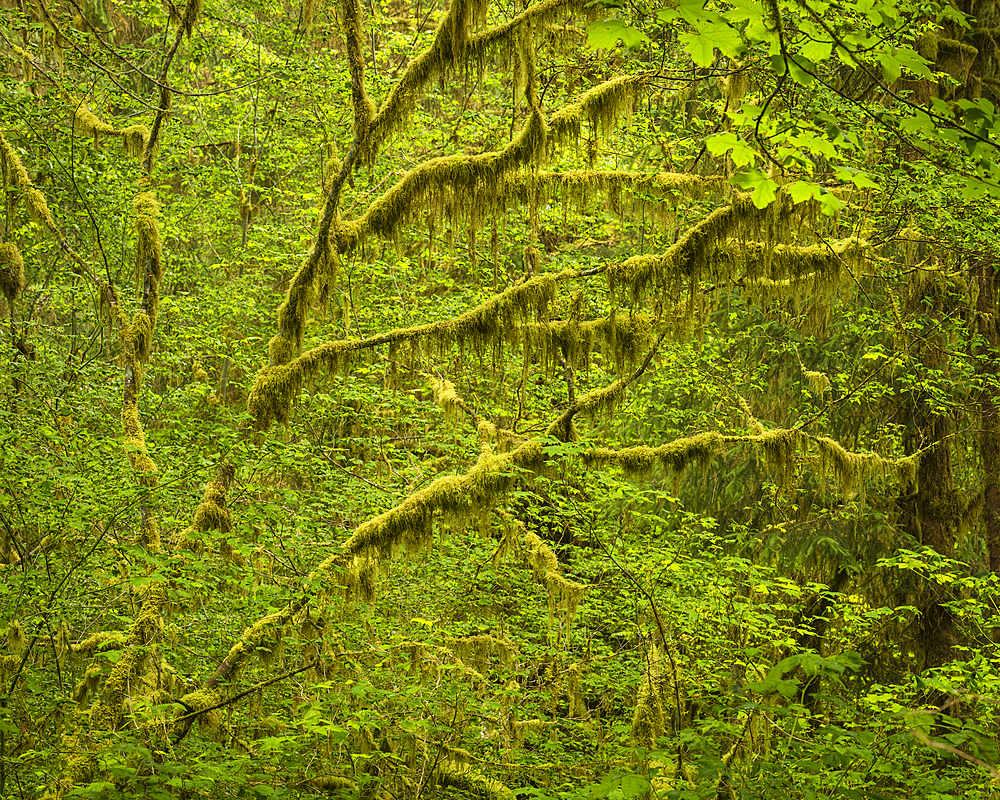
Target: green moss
[[447, 398], [213, 512], [194, 702], [107, 712], [470, 782], [649, 718], [778, 449], [149, 252], [87, 123], [853, 470], [135, 138], [674, 456], [191, 13], [479, 651], [11, 272], [600, 107], [273, 393], [818, 382], [100, 642], [333, 783], [453, 44], [135, 440], [455, 181]]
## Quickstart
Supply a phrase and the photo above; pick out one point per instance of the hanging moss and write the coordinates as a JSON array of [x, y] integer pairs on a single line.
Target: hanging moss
[[779, 270], [106, 713], [563, 594], [191, 13], [479, 651], [273, 393], [649, 718], [623, 338], [459, 180], [778, 449], [852, 470], [470, 782], [453, 39], [447, 398], [262, 639], [674, 457], [818, 382], [135, 138], [487, 325], [11, 272], [86, 122], [600, 107], [540, 556], [409, 524]]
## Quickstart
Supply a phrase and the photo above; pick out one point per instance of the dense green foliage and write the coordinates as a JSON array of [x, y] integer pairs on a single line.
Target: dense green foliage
[[553, 401]]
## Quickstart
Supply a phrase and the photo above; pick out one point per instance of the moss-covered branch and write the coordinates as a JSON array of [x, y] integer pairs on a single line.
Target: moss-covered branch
[[778, 448], [470, 781], [599, 400], [600, 107], [38, 209], [453, 42], [690, 255], [472, 180], [107, 712], [364, 109], [486, 325]]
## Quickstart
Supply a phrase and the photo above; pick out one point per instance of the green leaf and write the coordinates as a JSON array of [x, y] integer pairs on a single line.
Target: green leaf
[[763, 187], [720, 143], [702, 45], [830, 204], [891, 68], [605, 35], [816, 50], [801, 191]]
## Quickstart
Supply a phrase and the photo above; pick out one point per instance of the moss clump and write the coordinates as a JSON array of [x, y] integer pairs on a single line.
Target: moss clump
[[213, 512], [818, 382], [674, 456], [852, 470], [333, 783], [100, 642], [778, 449], [135, 442], [107, 712], [273, 393], [11, 272], [447, 398], [563, 594], [86, 122], [195, 703], [540, 556], [649, 718], [135, 138], [470, 782]]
